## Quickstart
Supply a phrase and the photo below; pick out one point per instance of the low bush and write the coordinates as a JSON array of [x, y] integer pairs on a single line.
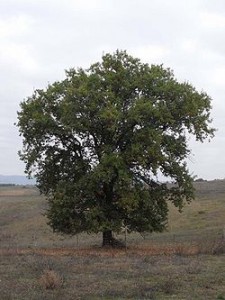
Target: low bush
[[50, 280]]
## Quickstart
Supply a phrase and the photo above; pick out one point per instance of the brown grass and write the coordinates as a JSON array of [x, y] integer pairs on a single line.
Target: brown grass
[[130, 276], [50, 280], [185, 262]]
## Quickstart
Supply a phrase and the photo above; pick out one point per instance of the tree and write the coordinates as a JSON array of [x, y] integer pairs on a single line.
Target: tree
[[97, 141]]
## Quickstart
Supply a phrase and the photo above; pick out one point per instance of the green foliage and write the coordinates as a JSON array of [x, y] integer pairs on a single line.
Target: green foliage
[[220, 297], [97, 141]]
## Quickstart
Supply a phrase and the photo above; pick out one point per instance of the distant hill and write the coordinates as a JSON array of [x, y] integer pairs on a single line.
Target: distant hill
[[211, 188], [16, 179]]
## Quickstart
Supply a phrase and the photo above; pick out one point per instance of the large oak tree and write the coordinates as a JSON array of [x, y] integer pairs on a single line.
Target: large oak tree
[[98, 140]]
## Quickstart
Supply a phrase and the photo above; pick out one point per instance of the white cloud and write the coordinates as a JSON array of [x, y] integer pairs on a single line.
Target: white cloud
[[90, 5], [18, 57], [212, 20], [15, 51], [218, 76], [15, 26], [190, 45], [151, 53]]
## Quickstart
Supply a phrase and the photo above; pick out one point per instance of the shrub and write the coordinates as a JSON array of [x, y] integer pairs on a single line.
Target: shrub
[[50, 280]]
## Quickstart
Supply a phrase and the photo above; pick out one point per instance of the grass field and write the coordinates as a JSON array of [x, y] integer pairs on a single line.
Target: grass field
[[185, 262]]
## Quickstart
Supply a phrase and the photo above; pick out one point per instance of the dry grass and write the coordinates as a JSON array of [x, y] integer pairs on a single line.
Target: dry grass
[[128, 276], [16, 191], [50, 280], [186, 262]]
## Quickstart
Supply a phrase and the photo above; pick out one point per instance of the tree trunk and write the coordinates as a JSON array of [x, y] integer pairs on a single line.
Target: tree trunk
[[107, 238]]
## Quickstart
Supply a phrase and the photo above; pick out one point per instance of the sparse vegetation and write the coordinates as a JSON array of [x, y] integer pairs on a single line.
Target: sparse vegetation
[[185, 262]]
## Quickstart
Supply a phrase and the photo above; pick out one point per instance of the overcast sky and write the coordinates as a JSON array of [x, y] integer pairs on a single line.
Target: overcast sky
[[40, 39]]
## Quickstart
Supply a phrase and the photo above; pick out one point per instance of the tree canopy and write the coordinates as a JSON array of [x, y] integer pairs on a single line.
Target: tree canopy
[[98, 140]]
